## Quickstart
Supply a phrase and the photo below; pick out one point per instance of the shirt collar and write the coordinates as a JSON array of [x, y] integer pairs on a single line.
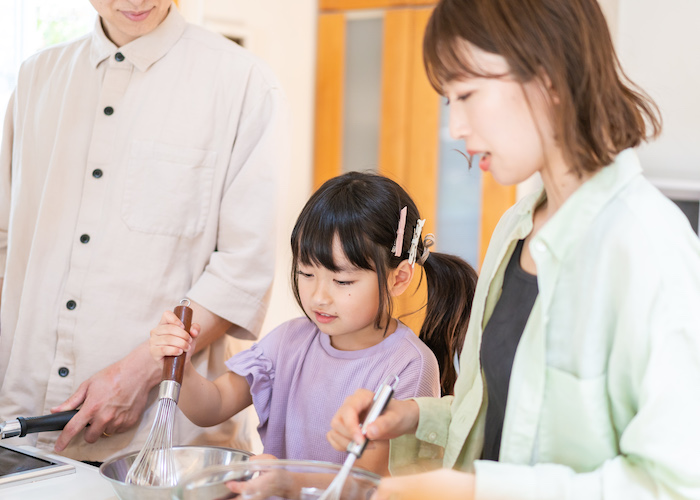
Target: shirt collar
[[564, 229], [524, 211], [145, 50]]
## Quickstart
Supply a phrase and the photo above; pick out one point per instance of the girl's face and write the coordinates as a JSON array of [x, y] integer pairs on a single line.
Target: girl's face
[[342, 304], [501, 119]]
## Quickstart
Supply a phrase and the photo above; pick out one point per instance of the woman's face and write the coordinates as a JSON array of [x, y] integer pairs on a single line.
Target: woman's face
[[502, 120]]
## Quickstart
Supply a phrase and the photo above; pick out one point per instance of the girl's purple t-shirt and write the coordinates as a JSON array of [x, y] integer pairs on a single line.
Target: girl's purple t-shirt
[[298, 381]]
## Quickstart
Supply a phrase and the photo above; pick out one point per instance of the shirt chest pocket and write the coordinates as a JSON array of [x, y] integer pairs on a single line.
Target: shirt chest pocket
[[167, 189], [576, 427]]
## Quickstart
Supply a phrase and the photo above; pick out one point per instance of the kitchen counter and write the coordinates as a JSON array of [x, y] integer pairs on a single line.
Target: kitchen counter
[[85, 484]]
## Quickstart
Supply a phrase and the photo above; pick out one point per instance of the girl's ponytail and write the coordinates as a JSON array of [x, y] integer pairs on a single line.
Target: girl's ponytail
[[451, 283], [364, 212]]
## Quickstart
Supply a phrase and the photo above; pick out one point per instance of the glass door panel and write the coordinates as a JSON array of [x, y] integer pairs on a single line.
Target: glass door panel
[[362, 96], [459, 198]]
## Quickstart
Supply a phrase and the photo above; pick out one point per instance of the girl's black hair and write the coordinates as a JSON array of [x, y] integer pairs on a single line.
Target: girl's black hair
[[363, 210]]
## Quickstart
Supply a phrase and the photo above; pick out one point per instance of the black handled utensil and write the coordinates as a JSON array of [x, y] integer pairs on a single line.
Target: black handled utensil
[[21, 426]]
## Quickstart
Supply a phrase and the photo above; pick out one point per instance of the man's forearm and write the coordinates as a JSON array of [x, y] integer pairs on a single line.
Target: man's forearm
[[212, 326], [142, 362]]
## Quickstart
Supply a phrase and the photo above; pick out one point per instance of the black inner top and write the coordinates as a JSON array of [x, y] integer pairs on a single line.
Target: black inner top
[[500, 340]]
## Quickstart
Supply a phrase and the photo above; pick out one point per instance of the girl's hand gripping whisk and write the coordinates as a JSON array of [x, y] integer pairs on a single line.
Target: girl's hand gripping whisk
[[381, 399], [155, 465]]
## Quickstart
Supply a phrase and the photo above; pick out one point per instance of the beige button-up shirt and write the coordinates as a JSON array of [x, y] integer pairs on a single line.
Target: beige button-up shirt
[[129, 178]]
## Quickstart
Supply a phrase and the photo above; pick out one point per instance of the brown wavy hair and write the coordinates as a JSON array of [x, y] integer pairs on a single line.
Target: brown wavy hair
[[599, 111]]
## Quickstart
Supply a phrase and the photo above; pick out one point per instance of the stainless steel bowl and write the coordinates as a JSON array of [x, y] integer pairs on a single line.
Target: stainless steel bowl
[[278, 479], [188, 459]]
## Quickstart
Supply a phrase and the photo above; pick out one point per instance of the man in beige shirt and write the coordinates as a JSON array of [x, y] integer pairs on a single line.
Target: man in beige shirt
[[138, 167]]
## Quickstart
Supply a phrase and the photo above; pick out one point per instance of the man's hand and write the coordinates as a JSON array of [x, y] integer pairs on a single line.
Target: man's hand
[[445, 484], [113, 399]]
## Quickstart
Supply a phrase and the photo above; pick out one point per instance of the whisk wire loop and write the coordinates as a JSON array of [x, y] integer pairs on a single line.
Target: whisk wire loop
[[155, 464]]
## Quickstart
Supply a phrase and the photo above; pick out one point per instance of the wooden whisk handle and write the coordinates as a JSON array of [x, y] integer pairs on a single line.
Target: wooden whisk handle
[[174, 366]]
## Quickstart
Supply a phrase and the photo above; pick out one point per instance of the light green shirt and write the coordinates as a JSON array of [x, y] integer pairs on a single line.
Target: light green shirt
[[604, 395]]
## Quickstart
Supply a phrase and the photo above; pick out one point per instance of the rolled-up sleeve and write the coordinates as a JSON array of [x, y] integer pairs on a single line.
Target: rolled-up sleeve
[[235, 284], [411, 454], [435, 418]]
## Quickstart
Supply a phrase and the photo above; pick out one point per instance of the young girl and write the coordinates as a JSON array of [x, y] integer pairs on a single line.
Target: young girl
[[580, 373], [354, 248]]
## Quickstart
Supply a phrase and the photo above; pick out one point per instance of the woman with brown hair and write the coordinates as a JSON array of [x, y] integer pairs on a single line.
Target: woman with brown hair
[[580, 371]]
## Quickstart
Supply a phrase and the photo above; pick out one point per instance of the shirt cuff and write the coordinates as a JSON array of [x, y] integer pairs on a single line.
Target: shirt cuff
[[502, 481], [434, 419], [244, 311]]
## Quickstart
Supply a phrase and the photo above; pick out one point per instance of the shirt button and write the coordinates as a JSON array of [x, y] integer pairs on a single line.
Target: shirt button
[[119, 56], [71, 304], [540, 247], [63, 371], [109, 110], [432, 437], [97, 173], [84, 238]]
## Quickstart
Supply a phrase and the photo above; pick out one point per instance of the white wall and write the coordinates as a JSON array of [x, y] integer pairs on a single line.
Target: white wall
[[611, 9], [283, 34], [658, 43]]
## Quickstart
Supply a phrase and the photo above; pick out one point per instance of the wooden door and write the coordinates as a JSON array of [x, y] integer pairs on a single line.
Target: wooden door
[[409, 143]]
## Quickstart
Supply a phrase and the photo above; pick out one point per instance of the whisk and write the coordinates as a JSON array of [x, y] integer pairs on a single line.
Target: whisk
[[155, 465], [381, 399]]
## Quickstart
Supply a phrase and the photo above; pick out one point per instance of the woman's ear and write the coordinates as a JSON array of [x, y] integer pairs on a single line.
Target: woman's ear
[[548, 87], [400, 278]]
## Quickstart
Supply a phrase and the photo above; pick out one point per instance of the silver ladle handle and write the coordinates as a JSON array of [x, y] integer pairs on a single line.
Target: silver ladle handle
[[379, 403]]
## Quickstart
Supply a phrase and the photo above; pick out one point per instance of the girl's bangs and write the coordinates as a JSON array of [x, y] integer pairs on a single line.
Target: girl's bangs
[[317, 234]]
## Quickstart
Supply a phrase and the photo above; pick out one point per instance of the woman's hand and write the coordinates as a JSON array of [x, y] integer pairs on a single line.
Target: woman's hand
[[169, 338], [445, 484], [399, 418]]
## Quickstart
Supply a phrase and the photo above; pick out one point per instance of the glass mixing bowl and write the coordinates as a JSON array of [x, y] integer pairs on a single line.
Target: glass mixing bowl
[[273, 479]]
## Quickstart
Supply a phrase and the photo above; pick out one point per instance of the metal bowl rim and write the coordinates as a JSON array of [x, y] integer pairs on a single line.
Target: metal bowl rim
[[125, 455]]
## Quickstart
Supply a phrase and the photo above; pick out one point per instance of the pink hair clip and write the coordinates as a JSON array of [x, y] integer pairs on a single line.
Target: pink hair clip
[[398, 243]]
